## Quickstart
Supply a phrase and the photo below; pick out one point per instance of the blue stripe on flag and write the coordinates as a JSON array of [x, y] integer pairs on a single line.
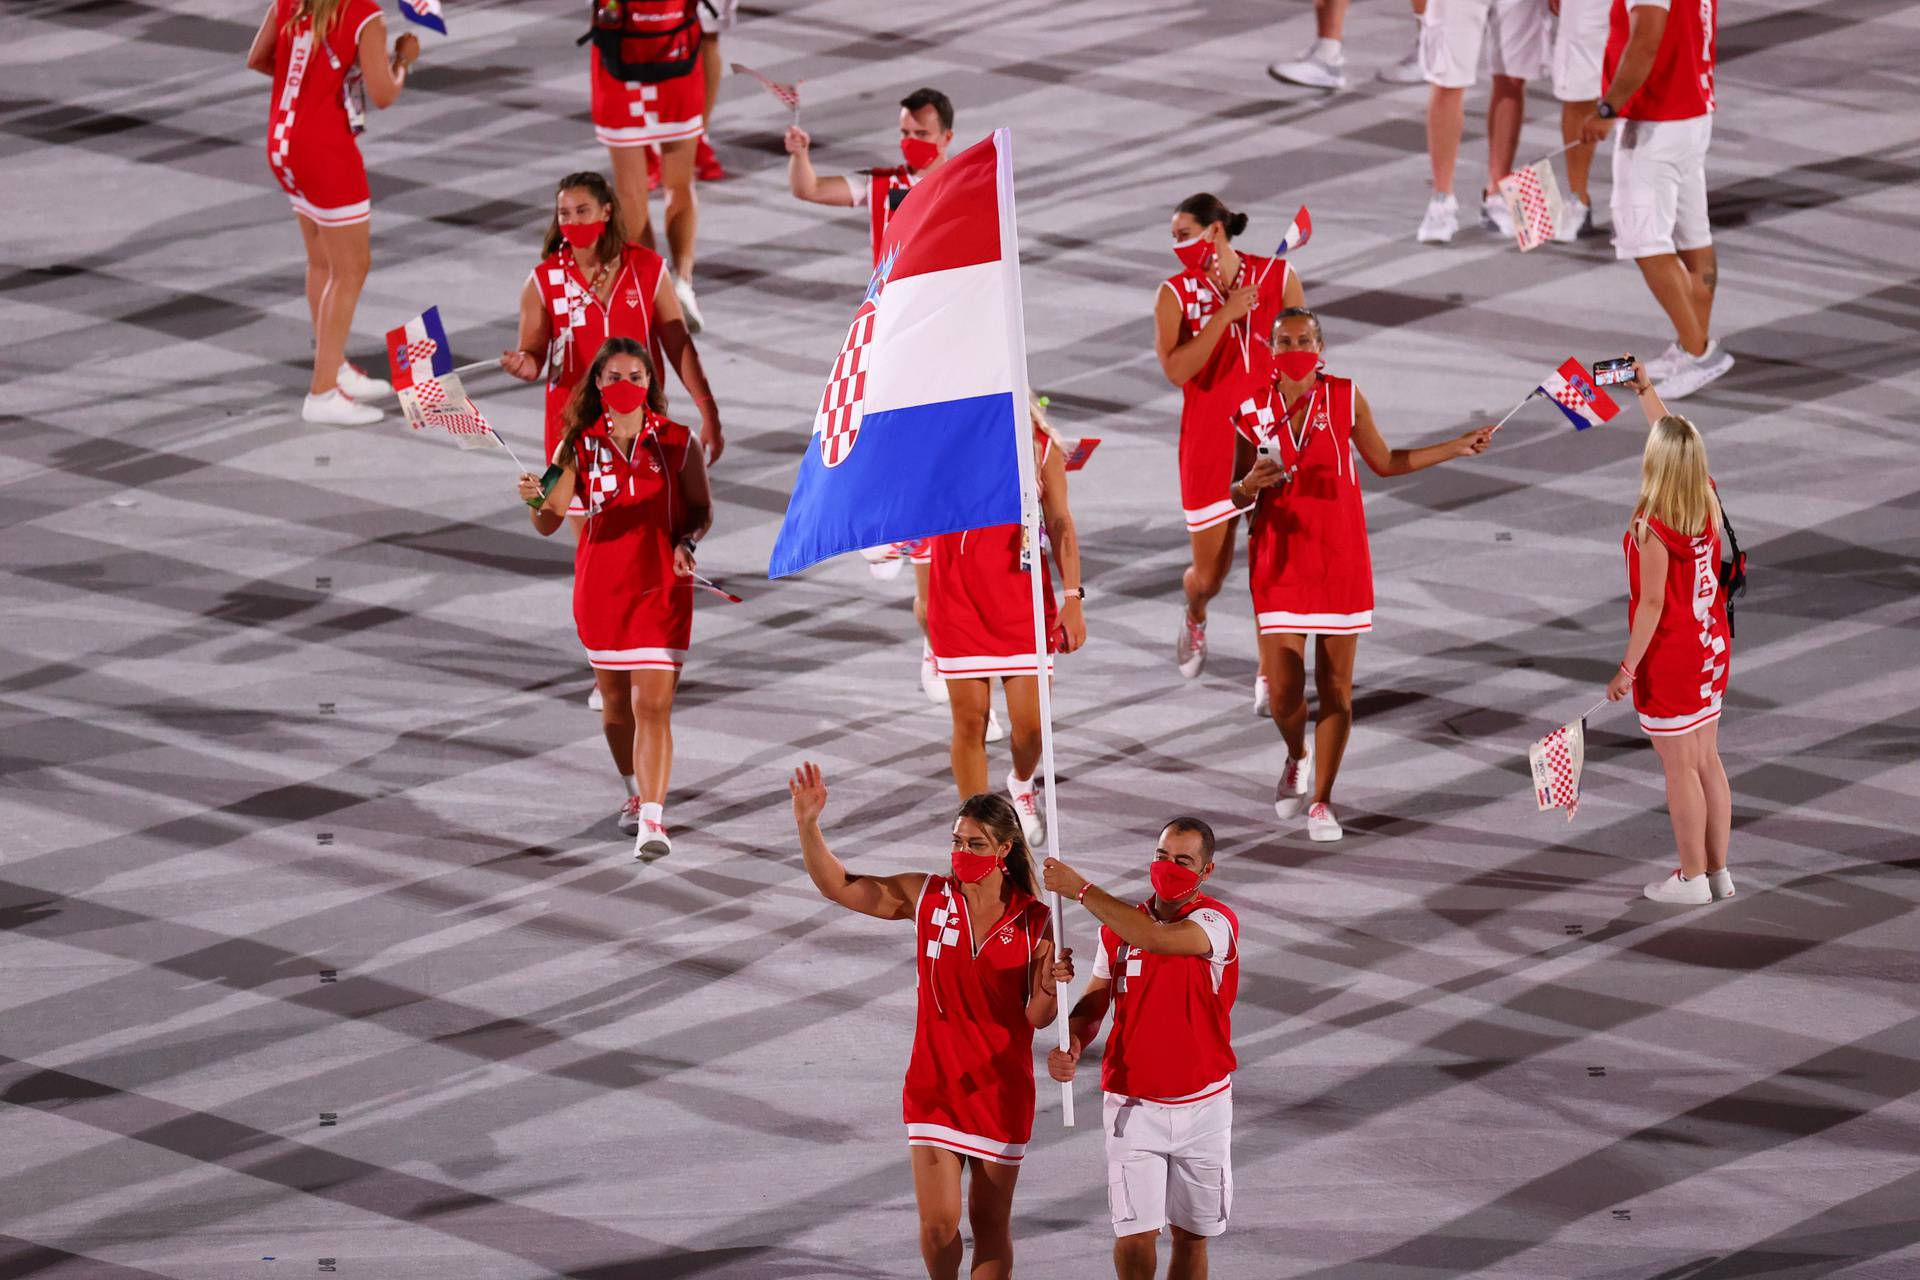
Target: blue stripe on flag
[[912, 473], [1579, 423]]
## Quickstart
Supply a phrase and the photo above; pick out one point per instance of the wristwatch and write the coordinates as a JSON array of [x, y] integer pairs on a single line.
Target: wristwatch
[[1074, 593], [1606, 110]]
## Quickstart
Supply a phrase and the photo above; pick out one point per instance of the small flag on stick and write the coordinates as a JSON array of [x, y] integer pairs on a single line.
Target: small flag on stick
[[1573, 392], [1533, 194], [431, 393], [1299, 231], [425, 13], [789, 94], [1556, 760]]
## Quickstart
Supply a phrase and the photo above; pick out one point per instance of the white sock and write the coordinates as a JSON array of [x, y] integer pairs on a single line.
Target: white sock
[[626, 780], [1019, 786], [1326, 50], [656, 813]]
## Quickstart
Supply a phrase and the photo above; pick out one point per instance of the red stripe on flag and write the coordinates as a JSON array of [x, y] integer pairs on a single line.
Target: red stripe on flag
[[951, 218]]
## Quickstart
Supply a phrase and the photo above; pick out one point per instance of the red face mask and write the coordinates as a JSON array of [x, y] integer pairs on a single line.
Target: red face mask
[[1171, 880], [973, 867], [1297, 366], [919, 152], [623, 397], [583, 235], [1195, 254]]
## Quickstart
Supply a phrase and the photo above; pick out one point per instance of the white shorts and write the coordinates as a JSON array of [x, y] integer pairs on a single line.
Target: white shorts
[[1660, 186], [1169, 1164], [1579, 39], [1453, 31]]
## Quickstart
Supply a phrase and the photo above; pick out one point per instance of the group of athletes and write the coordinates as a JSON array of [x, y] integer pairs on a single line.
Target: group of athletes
[[1266, 433]]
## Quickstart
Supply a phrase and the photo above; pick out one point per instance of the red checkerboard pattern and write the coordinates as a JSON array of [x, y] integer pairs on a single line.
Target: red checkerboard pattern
[[846, 389], [1533, 220], [1556, 761]]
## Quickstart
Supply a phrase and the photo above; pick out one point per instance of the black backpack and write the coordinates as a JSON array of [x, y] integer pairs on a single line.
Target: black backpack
[[1733, 569], [645, 41]]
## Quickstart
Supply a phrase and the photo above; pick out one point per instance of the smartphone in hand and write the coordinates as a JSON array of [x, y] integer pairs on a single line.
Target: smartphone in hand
[[1612, 373]]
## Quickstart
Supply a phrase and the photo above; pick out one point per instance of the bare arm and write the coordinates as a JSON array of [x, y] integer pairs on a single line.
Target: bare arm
[[804, 182], [1066, 546], [385, 76], [1180, 361], [677, 344], [693, 486], [1251, 473], [1083, 1026], [552, 513], [527, 360], [1653, 601], [1135, 927], [1399, 462], [1647, 26], [1294, 294], [1650, 402], [1044, 976], [260, 55], [883, 897]]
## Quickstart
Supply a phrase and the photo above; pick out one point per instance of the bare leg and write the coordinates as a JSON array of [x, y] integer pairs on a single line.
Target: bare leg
[[316, 269], [1023, 716], [968, 701], [630, 188], [1506, 109], [348, 253], [653, 732], [1704, 269], [936, 1190], [1719, 797], [1329, 18], [683, 210], [710, 71], [1212, 561], [1189, 1255], [922, 576], [1675, 290], [1580, 157], [1333, 716], [1136, 1256], [1446, 117], [616, 717], [990, 1214], [1681, 759], [1284, 658]]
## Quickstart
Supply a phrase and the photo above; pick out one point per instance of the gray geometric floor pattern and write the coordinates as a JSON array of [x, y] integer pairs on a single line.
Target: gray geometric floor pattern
[[321, 955]]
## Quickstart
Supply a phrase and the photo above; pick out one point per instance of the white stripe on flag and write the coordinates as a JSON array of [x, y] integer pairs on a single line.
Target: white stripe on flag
[[940, 336]]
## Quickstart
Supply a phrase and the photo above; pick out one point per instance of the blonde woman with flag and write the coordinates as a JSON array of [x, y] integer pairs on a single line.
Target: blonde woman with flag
[[320, 54], [1679, 646]]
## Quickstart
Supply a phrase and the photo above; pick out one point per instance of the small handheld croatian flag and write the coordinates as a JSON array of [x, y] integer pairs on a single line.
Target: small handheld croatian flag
[[1573, 392], [1299, 231], [789, 94], [1533, 194], [419, 350], [426, 13], [1556, 760], [923, 421]]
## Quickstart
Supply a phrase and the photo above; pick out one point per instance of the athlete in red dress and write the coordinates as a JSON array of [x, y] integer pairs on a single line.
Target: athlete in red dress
[[1308, 562], [985, 978], [1680, 646], [926, 134], [589, 287], [1169, 967], [644, 486], [660, 40], [980, 626], [1209, 330], [318, 52]]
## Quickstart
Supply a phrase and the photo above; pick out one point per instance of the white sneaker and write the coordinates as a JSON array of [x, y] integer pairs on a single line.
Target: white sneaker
[[595, 702], [1190, 650], [630, 816], [1321, 824], [1720, 884], [652, 840], [884, 561], [357, 383], [1575, 218], [1667, 363], [1409, 69], [1262, 697], [1442, 219], [1027, 805], [1495, 215], [1696, 373], [1292, 789], [1678, 891], [336, 408], [689, 306], [995, 731], [1322, 67], [930, 682]]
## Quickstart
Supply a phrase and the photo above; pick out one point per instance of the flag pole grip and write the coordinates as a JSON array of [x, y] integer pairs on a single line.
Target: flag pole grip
[[1523, 401]]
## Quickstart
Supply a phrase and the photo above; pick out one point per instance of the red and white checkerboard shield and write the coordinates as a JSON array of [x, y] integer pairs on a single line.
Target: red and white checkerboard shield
[[1533, 194], [1557, 760], [838, 422]]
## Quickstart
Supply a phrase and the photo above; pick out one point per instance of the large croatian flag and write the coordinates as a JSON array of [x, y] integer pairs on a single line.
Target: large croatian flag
[[922, 428], [1574, 394]]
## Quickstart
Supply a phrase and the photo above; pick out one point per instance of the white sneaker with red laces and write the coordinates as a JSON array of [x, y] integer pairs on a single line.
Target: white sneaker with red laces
[[336, 408], [1678, 891], [651, 842], [1291, 790], [1321, 824], [630, 816], [1261, 695], [360, 384], [594, 701], [884, 561], [1190, 651], [1026, 803], [995, 731]]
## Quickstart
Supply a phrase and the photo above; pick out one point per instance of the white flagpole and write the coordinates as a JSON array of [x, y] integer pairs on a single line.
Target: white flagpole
[[1030, 532], [1523, 403]]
